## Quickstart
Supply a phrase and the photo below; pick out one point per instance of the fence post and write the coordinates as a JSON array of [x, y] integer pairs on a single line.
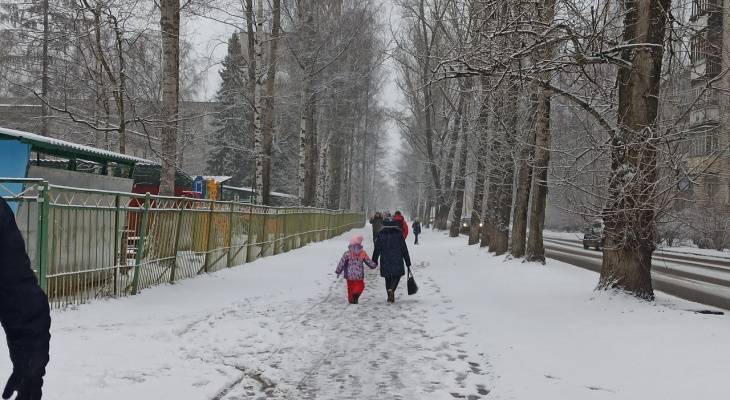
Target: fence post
[[42, 247], [206, 266], [277, 237], [140, 244], [265, 233], [230, 236], [120, 251], [177, 240], [248, 233]]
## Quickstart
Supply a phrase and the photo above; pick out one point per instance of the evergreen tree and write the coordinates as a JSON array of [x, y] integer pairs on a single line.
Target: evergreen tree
[[230, 155]]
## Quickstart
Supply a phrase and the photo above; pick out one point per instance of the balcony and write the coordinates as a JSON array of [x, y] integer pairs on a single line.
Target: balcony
[[702, 8]]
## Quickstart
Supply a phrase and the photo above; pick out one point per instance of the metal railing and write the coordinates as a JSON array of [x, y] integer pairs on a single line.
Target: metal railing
[[86, 244]]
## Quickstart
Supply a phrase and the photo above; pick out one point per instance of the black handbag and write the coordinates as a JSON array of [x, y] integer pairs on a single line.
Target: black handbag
[[412, 287]]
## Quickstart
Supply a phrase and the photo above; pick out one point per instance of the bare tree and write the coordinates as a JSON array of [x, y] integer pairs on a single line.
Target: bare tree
[[170, 29], [630, 212]]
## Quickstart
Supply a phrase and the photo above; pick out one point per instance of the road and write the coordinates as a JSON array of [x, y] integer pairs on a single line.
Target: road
[[703, 279]]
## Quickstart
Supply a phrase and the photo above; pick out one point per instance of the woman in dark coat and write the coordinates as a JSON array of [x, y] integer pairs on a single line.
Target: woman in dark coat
[[391, 252]]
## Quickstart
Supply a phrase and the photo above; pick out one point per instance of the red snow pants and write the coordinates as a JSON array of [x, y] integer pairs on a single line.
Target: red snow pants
[[354, 287]]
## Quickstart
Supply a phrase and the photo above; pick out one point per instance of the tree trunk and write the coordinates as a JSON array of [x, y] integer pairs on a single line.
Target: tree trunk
[[251, 84], [312, 161], [504, 174], [45, 84], [306, 173], [269, 100], [170, 27], [477, 215], [335, 159], [364, 149], [459, 181], [630, 211], [258, 132], [442, 212], [451, 157], [535, 246], [345, 199], [427, 212], [524, 181], [493, 178], [323, 178]]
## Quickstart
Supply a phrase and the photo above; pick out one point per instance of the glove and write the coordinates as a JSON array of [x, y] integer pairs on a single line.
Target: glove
[[28, 387]]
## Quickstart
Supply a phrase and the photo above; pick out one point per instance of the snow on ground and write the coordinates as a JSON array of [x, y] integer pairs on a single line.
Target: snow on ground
[[480, 327]]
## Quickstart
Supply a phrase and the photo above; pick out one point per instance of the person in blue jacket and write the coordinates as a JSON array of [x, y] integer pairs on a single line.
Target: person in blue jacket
[[416, 229], [24, 313], [391, 252]]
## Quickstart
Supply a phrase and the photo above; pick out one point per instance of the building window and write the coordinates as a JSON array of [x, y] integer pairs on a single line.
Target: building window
[[711, 142]]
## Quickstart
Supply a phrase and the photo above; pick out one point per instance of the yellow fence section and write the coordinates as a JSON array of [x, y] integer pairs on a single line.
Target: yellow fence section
[[87, 244]]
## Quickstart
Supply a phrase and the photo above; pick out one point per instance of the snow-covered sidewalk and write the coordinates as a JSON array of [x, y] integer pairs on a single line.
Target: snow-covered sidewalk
[[480, 327]]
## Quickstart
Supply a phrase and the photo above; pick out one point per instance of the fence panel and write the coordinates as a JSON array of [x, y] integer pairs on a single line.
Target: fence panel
[[85, 244]]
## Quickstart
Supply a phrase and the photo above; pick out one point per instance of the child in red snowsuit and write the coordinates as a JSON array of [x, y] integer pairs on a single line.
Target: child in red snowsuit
[[351, 266]]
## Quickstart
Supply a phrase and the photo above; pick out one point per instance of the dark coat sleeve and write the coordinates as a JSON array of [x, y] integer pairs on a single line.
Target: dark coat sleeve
[[377, 250], [24, 311], [404, 250]]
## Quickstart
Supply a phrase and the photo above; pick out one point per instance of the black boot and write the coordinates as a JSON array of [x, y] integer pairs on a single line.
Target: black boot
[[391, 295], [355, 297]]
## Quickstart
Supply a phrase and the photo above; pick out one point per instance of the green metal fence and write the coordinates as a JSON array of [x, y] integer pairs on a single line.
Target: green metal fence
[[86, 244]]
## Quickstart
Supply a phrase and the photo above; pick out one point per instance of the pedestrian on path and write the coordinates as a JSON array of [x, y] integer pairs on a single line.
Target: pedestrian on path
[[351, 266], [377, 222], [24, 313], [416, 229], [391, 252], [403, 224]]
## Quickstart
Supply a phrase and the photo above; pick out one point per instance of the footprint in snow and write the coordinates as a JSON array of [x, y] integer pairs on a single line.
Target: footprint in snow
[[482, 389], [598, 388]]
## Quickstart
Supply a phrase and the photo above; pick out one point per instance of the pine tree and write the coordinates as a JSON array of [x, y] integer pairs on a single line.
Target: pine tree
[[231, 155]]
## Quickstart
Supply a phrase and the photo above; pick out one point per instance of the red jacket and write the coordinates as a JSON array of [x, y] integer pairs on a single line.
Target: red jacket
[[403, 225]]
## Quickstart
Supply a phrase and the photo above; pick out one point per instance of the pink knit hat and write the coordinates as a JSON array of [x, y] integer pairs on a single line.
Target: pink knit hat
[[356, 240]]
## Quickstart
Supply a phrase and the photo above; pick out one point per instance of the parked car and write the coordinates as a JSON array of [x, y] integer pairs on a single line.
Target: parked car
[[593, 235]]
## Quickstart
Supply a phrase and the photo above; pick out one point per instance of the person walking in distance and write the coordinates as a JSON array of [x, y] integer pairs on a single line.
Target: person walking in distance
[[24, 313], [398, 216], [416, 229], [377, 222], [391, 253]]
